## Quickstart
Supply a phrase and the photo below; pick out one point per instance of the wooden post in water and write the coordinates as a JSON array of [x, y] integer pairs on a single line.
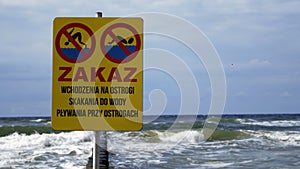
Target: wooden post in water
[[100, 153]]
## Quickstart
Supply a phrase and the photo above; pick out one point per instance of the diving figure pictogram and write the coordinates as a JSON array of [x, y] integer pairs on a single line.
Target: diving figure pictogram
[[75, 36]]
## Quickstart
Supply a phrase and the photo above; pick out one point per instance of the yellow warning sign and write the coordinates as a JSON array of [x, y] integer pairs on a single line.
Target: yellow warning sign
[[97, 81]]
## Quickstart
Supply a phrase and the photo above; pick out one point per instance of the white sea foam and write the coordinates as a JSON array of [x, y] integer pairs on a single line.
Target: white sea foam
[[277, 123], [189, 136], [291, 138], [148, 152], [130, 145], [216, 164], [67, 150], [285, 137], [38, 120]]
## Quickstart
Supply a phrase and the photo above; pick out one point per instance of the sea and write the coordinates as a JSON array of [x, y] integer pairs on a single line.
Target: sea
[[165, 142]]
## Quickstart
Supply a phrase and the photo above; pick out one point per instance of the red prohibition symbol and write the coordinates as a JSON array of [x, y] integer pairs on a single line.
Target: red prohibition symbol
[[81, 52], [121, 52]]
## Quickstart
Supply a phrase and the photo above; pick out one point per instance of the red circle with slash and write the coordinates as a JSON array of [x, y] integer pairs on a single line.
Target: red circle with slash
[[85, 54], [109, 32]]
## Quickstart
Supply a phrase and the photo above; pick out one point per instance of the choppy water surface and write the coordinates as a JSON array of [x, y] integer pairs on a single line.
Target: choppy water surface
[[251, 141]]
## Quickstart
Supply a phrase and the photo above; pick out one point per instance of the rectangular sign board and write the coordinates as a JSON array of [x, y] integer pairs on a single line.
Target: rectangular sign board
[[97, 80]]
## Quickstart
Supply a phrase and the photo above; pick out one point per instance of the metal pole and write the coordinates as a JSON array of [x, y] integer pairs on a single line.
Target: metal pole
[[99, 14], [100, 153], [96, 160]]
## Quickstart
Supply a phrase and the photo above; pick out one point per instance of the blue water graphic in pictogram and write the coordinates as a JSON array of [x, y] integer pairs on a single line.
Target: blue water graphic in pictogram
[[74, 53], [117, 52]]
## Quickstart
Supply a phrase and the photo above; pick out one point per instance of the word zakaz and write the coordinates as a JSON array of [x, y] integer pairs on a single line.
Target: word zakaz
[[81, 74]]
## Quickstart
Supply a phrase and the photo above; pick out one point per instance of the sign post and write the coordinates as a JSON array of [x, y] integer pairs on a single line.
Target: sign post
[[100, 153], [97, 81]]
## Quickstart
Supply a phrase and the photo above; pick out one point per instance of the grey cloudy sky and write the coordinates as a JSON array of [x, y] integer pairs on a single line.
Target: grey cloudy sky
[[257, 41]]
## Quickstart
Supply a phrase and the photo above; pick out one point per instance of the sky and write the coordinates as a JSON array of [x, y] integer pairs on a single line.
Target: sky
[[257, 42]]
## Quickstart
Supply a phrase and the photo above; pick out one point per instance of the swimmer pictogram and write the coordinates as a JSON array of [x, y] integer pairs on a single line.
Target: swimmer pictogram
[[120, 48], [124, 41], [70, 44]]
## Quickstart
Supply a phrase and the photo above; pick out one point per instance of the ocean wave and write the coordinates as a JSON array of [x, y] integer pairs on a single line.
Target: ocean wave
[[190, 136], [216, 164], [45, 139], [278, 137], [28, 130], [276, 123], [47, 150], [39, 120], [219, 135], [186, 136]]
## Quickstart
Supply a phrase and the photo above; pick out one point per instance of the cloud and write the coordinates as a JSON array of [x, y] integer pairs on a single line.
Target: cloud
[[259, 62], [250, 24]]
